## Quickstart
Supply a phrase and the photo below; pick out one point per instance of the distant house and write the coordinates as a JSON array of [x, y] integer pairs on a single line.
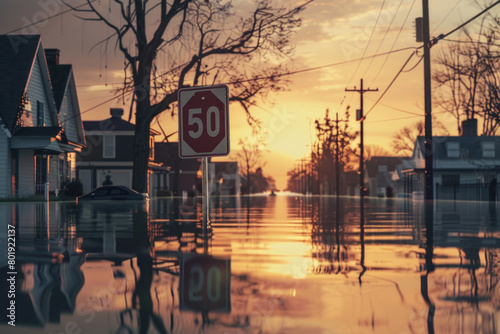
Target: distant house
[[379, 175], [31, 133], [464, 166], [109, 154], [226, 178], [183, 173]]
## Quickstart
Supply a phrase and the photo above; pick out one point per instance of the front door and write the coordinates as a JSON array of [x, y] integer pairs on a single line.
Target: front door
[[40, 173]]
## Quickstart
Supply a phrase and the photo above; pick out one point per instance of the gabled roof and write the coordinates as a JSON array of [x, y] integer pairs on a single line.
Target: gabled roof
[[374, 162], [62, 79], [470, 147], [109, 124], [17, 56], [113, 124], [59, 75]]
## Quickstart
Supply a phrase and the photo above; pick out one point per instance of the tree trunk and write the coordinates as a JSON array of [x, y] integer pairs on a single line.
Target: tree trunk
[[141, 154]]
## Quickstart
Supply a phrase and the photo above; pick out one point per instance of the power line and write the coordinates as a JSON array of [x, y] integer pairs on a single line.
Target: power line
[[390, 85], [50, 17], [385, 35], [395, 40], [396, 119], [442, 36], [285, 73], [446, 16], [435, 40], [368, 43], [397, 109], [469, 42]]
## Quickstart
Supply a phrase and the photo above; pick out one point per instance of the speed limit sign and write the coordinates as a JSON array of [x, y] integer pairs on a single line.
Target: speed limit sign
[[203, 121]]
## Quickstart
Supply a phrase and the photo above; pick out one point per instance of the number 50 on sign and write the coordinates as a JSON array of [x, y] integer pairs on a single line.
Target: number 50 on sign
[[203, 121]]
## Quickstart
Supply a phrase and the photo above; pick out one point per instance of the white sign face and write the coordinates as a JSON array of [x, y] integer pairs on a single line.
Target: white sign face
[[203, 121]]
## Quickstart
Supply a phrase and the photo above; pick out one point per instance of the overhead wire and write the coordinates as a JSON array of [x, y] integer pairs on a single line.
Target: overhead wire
[[442, 36], [390, 84], [254, 79], [395, 119], [368, 43], [395, 40], [49, 17], [432, 42], [383, 38], [446, 16], [397, 109]]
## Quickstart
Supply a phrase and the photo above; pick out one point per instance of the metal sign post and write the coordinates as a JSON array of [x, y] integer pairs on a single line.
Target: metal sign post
[[205, 203], [204, 132]]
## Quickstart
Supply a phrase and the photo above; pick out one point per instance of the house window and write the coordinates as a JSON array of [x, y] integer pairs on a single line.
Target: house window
[[39, 113], [453, 150], [151, 148], [108, 146], [488, 149], [451, 180]]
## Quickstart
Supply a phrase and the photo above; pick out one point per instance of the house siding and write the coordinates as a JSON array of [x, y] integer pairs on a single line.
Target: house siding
[[26, 173], [67, 117], [56, 171], [36, 92], [5, 181], [94, 149]]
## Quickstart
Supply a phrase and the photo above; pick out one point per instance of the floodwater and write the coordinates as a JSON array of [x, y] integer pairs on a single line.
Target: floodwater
[[284, 264]]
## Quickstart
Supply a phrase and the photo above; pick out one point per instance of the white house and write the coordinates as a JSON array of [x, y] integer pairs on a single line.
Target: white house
[[31, 132], [463, 165]]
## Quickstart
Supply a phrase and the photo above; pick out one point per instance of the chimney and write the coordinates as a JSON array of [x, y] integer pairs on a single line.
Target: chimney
[[469, 128], [116, 112], [52, 56]]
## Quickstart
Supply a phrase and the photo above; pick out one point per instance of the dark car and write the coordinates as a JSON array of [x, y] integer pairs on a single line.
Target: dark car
[[112, 193]]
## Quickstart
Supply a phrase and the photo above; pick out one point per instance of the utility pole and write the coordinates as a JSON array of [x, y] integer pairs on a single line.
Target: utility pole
[[360, 118], [429, 174]]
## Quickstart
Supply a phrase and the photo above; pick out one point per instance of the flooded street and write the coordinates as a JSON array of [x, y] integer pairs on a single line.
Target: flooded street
[[284, 264]]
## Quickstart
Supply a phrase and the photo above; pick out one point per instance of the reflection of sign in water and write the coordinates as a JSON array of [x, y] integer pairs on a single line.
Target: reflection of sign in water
[[205, 283]]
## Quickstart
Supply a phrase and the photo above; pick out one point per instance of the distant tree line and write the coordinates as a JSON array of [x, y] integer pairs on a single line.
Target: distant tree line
[[332, 151]]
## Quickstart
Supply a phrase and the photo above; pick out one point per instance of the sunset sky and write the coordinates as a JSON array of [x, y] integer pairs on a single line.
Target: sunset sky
[[334, 49]]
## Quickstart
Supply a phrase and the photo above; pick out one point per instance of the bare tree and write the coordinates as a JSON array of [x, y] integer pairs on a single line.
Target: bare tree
[[375, 151], [203, 42], [468, 77], [249, 157], [403, 141]]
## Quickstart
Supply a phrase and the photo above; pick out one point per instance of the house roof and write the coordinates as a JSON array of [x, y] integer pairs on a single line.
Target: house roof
[[470, 147], [16, 60], [374, 162], [59, 75], [109, 124], [168, 154], [112, 124]]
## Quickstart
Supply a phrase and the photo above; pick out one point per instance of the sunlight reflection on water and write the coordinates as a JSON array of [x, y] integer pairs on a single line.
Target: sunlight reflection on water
[[295, 265]]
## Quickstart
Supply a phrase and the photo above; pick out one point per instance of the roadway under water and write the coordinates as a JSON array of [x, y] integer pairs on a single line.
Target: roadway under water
[[284, 264]]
